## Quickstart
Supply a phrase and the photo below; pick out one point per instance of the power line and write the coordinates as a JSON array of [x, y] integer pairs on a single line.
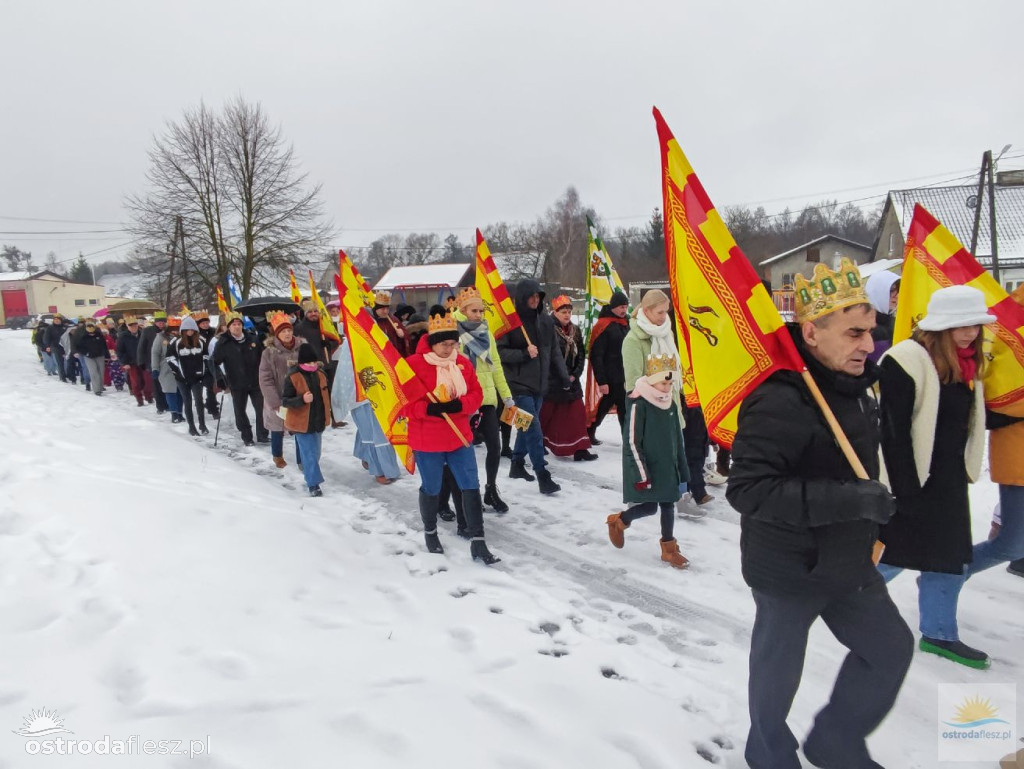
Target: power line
[[56, 221]]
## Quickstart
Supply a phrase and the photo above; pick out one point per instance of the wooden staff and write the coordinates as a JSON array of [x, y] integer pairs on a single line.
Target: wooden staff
[[844, 444]]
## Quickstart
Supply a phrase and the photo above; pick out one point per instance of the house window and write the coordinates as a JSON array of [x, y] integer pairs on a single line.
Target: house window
[[79, 303], [813, 254], [892, 243], [94, 301], [787, 280]]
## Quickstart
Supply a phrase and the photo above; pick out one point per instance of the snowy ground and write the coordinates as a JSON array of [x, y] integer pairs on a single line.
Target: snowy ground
[[153, 585]]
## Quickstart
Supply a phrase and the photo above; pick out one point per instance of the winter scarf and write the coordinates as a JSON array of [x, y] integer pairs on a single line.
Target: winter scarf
[[662, 343], [568, 334], [450, 382], [968, 366], [475, 341], [651, 394]]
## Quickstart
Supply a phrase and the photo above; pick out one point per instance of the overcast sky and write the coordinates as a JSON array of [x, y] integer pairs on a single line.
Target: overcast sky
[[449, 114]]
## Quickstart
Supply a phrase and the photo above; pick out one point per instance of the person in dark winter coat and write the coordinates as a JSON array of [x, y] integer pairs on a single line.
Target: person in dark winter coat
[[54, 332], [439, 431], [529, 357], [239, 352], [187, 356], [145, 354], [308, 401], [324, 346], [933, 435], [563, 417], [390, 324], [606, 340], [653, 458], [128, 354], [92, 348], [807, 530]]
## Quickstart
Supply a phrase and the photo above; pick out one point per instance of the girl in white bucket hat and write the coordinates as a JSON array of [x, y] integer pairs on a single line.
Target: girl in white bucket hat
[[933, 431]]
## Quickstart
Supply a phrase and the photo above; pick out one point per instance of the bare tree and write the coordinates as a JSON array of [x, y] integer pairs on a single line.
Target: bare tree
[[225, 197]]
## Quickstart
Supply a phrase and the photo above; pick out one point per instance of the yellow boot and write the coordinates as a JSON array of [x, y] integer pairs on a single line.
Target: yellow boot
[[670, 553]]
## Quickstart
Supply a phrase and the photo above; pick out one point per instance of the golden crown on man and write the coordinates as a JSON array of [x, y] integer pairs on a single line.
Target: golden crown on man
[[382, 298], [438, 323], [828, 290]]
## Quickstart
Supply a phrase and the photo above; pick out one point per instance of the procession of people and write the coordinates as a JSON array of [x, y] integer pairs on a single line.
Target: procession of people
[[916, 421]]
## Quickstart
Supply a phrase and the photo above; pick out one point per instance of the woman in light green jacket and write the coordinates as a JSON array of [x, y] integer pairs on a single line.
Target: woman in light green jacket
[[477, 343]]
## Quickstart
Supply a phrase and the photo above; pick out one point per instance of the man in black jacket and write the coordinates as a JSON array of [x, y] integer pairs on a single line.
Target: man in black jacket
[[606, 361], [239, 352], [807, 529], [309, 329], [152, 383], [54, 332], [527, 366], [128, 354]]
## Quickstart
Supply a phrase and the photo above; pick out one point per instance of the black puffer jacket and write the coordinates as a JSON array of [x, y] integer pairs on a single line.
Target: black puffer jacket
[[128, 347], [188, 363], [526, 375], [803, 526], [145, 351], [53, 334], [92, 345], [240, 358], [311, 333], [606, 349]]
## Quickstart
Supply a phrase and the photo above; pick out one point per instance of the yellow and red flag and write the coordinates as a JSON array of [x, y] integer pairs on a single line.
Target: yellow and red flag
[[294, 288], [185, 310], [933, 259], [327, 328], [731, 331], [500, 309], [222, 304], [352, 279], [383, 377]]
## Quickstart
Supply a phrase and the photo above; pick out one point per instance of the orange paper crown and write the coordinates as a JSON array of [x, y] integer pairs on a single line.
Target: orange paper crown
[[559, 302], [277, 319]]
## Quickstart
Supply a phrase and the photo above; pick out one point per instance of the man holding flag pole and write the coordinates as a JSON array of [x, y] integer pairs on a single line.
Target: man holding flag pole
[[796, 405]]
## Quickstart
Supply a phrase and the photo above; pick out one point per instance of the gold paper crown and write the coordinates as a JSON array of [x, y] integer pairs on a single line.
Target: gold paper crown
[[198, 315], [468, 295], [129, 320], [277, 319], [450, 302], [440, 323], [231, 316], [657, 364], [828, 291], [382, 298], [559, 302]]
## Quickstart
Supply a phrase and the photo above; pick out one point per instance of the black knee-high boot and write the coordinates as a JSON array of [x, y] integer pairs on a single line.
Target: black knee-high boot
[[428, 514], [473, 507]]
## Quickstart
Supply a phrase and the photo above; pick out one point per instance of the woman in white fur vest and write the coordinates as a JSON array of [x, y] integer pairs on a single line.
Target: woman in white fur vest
[[933, 432]]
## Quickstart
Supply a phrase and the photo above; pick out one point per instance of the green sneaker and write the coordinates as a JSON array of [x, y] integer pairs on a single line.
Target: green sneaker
[[957, 651]]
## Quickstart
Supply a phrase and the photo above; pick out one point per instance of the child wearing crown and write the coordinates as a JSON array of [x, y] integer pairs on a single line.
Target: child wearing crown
[[653, 457], [439, 431]]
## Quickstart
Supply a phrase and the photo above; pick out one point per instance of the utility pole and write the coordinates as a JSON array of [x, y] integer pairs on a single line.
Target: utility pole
[[184, 263], [170, 272], [986, 179]]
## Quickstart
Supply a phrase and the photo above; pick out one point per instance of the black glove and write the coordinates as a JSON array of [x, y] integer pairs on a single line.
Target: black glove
[[450, 407], [875, 502]]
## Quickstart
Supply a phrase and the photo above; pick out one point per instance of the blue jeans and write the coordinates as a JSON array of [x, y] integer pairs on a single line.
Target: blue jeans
[[309, 445], [937, 598], [462, 463], [532, 441], [173, 402], [49, 363], [277, 446], [1008, 544], [84, 369]]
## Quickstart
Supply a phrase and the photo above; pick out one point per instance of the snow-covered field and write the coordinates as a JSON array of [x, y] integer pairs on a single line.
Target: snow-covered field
[[153, 585]]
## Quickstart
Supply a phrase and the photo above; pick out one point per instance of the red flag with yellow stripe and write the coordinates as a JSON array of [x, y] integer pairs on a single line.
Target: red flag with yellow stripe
[[383, 377], [731, 330], [499, 308], [352, 279], [933, 259]]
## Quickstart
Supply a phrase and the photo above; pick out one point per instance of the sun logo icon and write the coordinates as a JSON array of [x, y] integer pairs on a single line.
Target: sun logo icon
[[975, 711], [42, 723]]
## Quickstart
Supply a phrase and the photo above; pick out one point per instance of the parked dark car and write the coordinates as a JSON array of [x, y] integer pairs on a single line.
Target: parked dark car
[[19, 321]]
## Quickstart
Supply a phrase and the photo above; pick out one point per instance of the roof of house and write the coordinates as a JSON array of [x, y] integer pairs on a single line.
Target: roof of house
[[20, 275], [816, 241], [36, 275], [426, 275], [950, 206]]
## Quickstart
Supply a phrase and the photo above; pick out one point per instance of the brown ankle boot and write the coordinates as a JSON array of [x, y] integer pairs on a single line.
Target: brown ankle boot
[[617, 530], [279, 461], [670, 554]]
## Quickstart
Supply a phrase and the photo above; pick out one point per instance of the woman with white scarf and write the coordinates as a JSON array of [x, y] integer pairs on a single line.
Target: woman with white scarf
[[651, 333], [439, 431]]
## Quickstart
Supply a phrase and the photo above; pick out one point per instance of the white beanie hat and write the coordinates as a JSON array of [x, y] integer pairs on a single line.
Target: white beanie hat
[[955, 307]]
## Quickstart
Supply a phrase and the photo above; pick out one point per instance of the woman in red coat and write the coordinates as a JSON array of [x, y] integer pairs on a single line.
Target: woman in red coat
[[452, 391]]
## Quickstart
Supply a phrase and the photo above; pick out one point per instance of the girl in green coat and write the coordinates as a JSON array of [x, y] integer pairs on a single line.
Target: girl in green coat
[[653, 457]]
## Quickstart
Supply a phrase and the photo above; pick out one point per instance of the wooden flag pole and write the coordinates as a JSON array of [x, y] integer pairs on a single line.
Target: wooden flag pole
[[526, 336]]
